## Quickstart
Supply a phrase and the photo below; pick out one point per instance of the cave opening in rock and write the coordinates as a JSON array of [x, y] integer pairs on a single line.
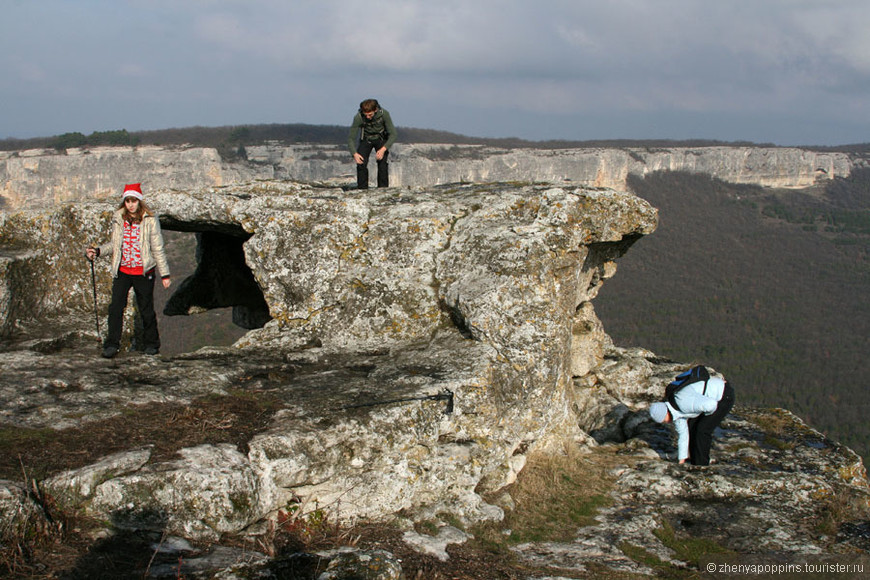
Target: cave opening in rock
[[212, 281]]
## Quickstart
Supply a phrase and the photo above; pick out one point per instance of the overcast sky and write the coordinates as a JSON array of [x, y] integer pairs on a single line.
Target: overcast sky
[[788, 72]]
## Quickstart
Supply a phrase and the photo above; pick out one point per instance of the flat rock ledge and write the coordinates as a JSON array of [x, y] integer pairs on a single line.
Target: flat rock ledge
[[775, 485]]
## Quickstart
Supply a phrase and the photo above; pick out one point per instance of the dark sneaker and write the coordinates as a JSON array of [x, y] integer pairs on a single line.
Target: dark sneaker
[[152, 350], [110, 351]]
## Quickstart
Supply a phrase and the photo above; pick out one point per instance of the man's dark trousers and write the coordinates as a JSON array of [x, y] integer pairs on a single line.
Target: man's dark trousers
[[143, 288], [701, 428], [362, 170]]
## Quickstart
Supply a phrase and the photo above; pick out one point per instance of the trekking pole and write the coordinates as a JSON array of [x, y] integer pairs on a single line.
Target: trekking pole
[[94, 287]]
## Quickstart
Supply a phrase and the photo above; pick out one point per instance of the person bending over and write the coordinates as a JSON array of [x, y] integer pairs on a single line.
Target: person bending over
[[700, 408], [372, 130]]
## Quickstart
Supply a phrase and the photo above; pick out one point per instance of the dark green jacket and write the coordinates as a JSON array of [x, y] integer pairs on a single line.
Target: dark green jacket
[[379, 128]]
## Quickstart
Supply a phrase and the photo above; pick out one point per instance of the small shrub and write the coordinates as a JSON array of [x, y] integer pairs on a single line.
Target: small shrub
[[37, 525]]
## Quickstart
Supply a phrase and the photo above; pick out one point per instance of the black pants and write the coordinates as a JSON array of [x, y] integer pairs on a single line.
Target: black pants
[[143, 287], [362, 169], [701, 428]]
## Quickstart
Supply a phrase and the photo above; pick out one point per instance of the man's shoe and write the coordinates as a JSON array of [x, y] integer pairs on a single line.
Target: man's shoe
[[152, 350], [110, 351]]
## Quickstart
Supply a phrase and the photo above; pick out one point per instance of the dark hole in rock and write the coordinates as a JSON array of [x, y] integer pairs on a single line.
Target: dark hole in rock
[[211, 280]]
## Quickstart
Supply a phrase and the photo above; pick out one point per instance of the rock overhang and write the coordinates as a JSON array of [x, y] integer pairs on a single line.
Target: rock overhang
[[480, 291], [317, 253]]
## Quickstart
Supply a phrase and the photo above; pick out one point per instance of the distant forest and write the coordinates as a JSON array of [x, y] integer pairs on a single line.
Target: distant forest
[[231, 140], [770, 287]]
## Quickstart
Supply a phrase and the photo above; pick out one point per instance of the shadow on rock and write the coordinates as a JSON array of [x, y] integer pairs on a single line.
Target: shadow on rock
[[125, 554]]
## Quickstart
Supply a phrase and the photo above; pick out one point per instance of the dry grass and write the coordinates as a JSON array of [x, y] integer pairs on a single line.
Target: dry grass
[[34, 527], [554, 496]]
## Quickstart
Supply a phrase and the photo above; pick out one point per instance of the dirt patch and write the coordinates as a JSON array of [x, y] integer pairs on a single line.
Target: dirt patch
[[167, 427]]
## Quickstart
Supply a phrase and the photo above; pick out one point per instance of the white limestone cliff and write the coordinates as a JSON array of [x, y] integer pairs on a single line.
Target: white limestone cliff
[[36, 178]]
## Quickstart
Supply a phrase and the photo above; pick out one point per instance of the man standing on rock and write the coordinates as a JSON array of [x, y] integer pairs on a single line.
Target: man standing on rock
[[700, 408], [373, 129]]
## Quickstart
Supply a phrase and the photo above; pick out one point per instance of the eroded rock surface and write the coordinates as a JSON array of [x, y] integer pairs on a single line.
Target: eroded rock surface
[[417, 340], [773, 491], [416, 344]]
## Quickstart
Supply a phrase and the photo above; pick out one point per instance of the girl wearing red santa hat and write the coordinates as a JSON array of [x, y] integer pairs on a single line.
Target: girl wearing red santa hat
[[137, 250]]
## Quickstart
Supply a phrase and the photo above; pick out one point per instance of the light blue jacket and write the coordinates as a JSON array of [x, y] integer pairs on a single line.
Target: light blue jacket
[[693, 402]]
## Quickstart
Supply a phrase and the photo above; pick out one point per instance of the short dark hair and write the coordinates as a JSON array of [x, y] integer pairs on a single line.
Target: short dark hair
[[369, 105]]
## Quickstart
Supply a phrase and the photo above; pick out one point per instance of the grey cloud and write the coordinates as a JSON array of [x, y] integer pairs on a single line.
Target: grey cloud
[[489, 67]]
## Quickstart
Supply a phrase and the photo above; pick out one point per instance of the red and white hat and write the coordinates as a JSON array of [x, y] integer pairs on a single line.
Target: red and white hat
[[132, 190]]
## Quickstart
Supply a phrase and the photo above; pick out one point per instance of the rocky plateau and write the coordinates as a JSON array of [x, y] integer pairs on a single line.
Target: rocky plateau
[[418, 345]]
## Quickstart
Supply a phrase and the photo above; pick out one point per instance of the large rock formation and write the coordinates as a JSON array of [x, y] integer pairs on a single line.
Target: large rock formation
[[416, 344], [36, 177], [471, 299]]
